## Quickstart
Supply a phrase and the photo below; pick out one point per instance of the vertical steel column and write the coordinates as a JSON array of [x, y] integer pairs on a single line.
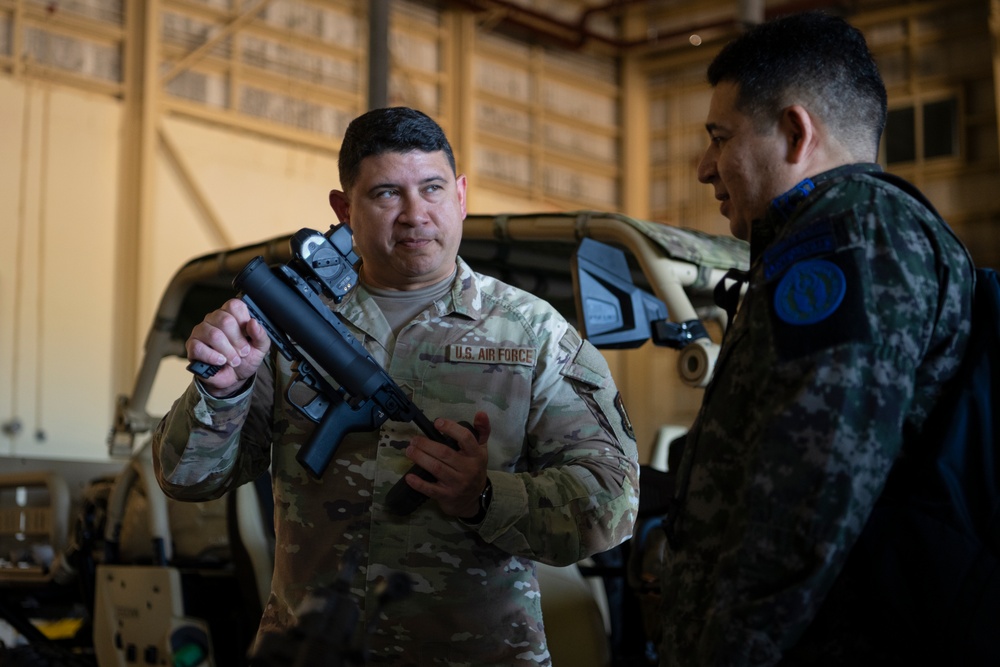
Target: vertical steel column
[[378, 54], [750, 12], [136, 186], [994, 22]]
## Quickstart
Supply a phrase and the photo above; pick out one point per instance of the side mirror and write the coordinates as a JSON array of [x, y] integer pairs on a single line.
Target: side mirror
[[612, 311]]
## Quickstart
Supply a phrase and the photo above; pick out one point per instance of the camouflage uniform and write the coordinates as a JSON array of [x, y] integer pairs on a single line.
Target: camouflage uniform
[[858, 309], [562, 462]]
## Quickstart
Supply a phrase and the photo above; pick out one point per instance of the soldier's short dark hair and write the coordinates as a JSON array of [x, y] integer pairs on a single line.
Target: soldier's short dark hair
[[389, 130], [814, 59]]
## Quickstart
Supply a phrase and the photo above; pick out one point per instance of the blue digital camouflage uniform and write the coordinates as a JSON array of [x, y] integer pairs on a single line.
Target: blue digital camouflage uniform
[[562, 462], [858, 310]]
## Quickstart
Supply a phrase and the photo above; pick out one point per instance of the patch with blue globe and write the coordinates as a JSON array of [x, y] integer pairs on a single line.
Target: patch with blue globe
[[810, 292]]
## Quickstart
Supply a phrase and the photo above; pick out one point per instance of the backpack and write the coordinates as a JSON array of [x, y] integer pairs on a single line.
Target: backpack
[[930, 552]]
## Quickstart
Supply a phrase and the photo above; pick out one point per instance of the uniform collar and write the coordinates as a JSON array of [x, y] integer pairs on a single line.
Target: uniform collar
[[359, 307], [786, 206]]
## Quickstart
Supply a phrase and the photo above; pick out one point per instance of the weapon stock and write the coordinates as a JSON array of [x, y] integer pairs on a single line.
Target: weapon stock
[[289, 308]]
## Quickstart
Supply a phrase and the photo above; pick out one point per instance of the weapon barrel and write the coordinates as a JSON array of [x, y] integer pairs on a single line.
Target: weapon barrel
[[356, 373]]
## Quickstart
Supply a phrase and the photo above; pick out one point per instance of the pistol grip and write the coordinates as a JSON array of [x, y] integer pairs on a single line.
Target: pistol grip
[[340, 419]]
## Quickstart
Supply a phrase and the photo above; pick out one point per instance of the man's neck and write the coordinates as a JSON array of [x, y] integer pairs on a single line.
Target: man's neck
[[400, 307]]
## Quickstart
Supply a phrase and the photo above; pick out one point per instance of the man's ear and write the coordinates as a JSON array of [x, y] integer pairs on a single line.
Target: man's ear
[[460, 187], [801, 133], [341, 206]]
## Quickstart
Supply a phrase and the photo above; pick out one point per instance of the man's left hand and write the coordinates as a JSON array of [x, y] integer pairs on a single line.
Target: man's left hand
[[461, 473]]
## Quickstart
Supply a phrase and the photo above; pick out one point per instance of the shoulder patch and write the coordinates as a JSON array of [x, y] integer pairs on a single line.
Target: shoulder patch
[[810, 292], [820, 303], [626, 422], [584, 363]]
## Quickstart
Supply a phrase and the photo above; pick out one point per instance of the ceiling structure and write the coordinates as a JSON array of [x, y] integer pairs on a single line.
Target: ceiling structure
[[667, 22]]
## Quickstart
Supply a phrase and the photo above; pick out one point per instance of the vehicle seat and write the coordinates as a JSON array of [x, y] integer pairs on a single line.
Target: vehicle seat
[[250, 514], [576, 623]]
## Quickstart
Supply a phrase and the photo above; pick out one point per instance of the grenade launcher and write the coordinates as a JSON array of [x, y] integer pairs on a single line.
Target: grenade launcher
[[286, 301]]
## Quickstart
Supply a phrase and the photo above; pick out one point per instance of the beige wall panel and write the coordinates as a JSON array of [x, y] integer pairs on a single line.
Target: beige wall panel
[[59, 215], [483, 200], [14, 197], [974, 194], [180, 234], [654, 394], [252, 189]]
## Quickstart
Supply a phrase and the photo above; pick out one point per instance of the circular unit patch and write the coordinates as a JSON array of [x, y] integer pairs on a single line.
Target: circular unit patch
[[810, 292]]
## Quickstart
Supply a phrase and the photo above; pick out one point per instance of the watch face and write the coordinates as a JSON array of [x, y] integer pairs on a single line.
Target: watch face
[[485, 497]]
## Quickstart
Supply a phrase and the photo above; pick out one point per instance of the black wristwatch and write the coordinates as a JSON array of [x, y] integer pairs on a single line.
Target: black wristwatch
[[484, 504]]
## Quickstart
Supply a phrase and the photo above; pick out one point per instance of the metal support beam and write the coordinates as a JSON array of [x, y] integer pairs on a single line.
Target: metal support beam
[[220, 237], [995, 42], [205, 47], [750, 12], [141, 116], [378, 54]]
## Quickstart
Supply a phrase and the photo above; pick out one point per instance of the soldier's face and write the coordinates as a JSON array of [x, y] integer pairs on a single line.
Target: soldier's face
[[745, 164], [406, 212]]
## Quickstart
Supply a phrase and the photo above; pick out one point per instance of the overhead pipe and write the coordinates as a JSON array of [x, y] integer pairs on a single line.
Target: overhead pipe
[[574, 35]]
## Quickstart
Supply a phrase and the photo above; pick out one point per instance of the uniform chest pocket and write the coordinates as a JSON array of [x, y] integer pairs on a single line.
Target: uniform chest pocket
[[456, 388], [494, 387]]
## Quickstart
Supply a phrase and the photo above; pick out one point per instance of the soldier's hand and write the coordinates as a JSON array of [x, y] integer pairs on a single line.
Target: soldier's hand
[[460, 474], [230, 338]]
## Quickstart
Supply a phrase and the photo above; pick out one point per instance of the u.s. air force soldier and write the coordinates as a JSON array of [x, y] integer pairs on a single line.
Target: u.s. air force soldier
[[551, 475], [856, 313]]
